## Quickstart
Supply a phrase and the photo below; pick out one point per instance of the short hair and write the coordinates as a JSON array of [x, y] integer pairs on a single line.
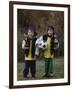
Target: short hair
[[51, 28], [31, 28]]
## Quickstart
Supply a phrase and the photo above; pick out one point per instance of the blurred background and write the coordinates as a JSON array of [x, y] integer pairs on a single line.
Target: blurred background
[[40, 20]]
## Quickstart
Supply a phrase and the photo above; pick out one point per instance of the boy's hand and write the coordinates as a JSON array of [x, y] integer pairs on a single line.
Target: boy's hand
[[56, 46], [55, 41]]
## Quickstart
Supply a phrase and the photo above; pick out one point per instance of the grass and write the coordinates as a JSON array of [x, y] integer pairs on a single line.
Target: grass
[[58, 69]]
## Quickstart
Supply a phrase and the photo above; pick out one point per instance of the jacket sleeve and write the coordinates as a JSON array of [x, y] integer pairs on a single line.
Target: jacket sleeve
[[56, 42], [23, 44]]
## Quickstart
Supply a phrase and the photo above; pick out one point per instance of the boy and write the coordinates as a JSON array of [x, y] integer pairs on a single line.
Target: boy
[[29, 50], [52, 42]]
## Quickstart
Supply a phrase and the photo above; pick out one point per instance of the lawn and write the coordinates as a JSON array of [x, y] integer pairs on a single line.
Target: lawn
[[58, 69]]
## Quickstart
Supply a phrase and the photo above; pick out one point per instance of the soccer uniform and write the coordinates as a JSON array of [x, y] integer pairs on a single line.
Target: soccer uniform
[[48, 55], [30, 62]]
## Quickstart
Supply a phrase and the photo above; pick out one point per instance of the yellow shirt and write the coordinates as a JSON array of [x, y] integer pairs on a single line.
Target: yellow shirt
[[47, 53], [29, 57]]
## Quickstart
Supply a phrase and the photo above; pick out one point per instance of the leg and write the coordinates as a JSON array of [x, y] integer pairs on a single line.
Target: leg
[[46, 67], [26, 69], [33, 68], [51, 66]]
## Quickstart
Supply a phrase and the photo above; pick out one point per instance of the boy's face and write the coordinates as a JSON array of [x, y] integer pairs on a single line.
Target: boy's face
[[30, 33], [50, 32]]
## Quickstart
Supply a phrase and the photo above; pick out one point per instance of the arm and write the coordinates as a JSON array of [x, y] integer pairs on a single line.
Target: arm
[[56, 44]]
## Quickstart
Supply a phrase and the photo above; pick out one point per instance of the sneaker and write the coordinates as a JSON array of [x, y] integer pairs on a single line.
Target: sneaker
[[33, 77], [51, 75]]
